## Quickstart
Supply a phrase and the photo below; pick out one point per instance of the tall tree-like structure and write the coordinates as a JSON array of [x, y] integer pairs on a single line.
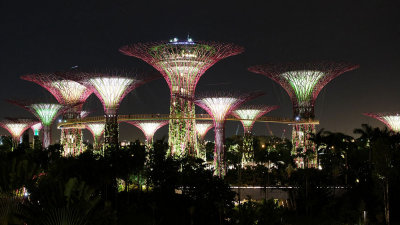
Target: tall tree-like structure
[[182, 63], [202, 127], [45, 112], [70, 94], [36, 135], [391, 120], [149, 128], [111, 89], [16, 127], [303, 82], [97, 130], [219, 106], [248, 116]]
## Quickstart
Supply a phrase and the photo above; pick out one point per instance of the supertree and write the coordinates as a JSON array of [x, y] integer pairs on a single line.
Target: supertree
[[202, 127], [16, 127], [303, 82], [36, 135], [111, 88], [182, 63], [68, 93], [219, 105], [45, 112], [391, 120], [97, 130], [248, 116], [149, 128]]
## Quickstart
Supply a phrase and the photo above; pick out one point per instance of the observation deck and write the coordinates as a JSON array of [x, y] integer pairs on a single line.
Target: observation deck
[[80, 123]]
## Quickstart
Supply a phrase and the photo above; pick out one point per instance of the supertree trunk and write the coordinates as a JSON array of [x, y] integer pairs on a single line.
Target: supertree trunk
[[36, 142], [15, 142], [202, 149], [111, 132], [182, 132], [71, 140], [46, 136], [248, 151], [96, 143], [219, 152], [301, 142]]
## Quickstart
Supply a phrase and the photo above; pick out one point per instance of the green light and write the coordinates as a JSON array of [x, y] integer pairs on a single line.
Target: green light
[[46, 112]]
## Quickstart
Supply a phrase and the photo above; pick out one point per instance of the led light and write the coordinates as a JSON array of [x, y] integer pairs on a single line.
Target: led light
[[96, 129], [46, 112], [391, 120]]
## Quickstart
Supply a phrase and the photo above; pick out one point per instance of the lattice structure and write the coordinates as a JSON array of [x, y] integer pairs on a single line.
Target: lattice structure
[[16, 127], [202, 127], [149, 128], [248, 116], [97, 130], [36, 135], [45, 112], [391, 120], [111, 89], [219, 106], [182, 63], [303, 82], [69, 93]]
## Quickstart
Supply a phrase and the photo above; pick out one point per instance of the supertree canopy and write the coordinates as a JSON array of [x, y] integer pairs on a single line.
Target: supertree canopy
[[248, 116], [16, 127], [182, 63], [45, 112], [202, 127], [149, 128], [391, 120], [68, 92], [111, 89], [303, 82], [36, 139], [219, 105], [97, 130]]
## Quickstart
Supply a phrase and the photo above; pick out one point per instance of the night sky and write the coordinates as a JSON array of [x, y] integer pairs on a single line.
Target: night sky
[[39, 36]]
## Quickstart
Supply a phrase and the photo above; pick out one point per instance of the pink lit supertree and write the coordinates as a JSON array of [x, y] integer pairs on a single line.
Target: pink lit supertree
[[45, 112], [202, 127], [303, 82], [182, 63], [391, 120], [70, 94], [97, 130], [149, 128], [36, 138], [16, 127], [111, 88], [219, 105], [248, 116]]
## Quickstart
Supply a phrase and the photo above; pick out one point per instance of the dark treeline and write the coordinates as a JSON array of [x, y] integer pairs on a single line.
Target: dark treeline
[[132, 186]]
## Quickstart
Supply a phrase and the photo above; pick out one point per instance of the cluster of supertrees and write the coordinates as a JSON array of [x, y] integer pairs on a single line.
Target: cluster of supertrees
[[181, 63]]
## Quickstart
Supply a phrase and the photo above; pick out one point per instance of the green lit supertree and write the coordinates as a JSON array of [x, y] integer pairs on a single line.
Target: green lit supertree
[[303, 82], [36, 135], [16, 127], [70, 94], [248, 116], [182, 63], [45, 112], [202, 127]]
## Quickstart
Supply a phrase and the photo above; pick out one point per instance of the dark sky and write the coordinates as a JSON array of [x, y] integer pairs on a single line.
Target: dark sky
[[46, 36]]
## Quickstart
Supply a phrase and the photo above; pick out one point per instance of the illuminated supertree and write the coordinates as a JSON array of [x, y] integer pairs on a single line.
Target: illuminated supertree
[[97, 130], [45, 112], [391, 120], [68, 93], [303, 82], [111, 89], [219, 106], [202, 127], [248, 116], [16, 127], [36, 135], [149, 128], [182, 63]]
